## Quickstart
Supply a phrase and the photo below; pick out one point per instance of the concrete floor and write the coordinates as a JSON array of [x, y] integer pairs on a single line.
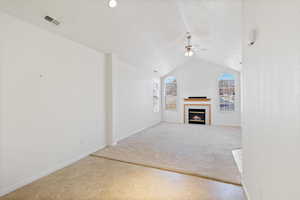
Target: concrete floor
[[100, 179]]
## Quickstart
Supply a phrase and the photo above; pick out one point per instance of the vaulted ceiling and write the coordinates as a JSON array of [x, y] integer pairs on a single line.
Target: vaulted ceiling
[[147, 33]]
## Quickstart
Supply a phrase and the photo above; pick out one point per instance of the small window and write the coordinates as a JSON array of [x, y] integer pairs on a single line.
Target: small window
[[170, 93], [156, 92], [227, 93]]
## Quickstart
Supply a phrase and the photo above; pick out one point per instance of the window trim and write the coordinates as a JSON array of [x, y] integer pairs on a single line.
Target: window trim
[[230, 77], [174, 96]]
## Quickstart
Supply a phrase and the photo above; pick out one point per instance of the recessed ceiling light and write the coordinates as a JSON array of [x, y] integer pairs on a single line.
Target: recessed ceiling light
[[112, 3]]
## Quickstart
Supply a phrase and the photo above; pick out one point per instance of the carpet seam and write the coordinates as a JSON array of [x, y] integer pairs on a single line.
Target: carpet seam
[[169, 170]]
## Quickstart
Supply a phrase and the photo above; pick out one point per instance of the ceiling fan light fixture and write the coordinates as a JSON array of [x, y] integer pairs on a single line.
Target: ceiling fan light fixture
[[112, 3], [189, 53], [189, 47]]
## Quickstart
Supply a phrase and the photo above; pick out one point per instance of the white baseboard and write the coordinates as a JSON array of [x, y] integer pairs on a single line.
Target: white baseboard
[[137, 131], [113, 144], [213, 124], [47, 172], [228, 125], [145, 128], [245, 190], [237, 155]]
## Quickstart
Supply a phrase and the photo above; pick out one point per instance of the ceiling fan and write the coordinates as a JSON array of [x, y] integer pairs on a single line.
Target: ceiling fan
[[190, 49]]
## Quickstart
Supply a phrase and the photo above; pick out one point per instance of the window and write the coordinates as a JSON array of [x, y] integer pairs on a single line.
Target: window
[[170, 93], [227, 92], [156, 92]]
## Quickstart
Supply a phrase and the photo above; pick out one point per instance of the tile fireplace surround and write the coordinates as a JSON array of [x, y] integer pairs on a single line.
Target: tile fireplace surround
[[197, 104]]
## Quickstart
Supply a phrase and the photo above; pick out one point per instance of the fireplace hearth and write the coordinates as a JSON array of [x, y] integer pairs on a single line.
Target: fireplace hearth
[[197, 116]]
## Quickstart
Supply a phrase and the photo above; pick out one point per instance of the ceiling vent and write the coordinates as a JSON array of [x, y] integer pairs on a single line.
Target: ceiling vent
[[52, 20]]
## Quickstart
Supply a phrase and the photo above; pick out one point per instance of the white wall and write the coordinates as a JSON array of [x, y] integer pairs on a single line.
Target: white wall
[[200, 78], [271, 120], [52, 102], [132, 98]]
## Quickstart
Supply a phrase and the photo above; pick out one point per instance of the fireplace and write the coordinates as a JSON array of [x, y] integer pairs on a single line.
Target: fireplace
[[197, 116], [197, 110]]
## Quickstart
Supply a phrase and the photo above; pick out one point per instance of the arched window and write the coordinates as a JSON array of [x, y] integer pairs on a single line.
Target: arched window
[[227, 92], [170, 93]]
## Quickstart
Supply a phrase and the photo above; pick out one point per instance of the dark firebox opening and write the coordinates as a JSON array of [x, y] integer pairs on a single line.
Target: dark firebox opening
[[197, 116]]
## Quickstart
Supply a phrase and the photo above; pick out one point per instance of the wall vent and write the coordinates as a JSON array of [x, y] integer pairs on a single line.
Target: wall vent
[[52, 20]]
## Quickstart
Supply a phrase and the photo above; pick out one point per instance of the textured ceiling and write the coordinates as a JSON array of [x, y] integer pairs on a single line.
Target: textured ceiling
[[147, 33]]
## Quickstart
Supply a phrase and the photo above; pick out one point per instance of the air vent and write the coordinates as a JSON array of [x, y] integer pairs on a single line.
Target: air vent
[[52, 20]]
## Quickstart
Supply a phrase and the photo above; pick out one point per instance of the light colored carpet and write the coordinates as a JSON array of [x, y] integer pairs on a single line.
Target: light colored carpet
[[204, 151]]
